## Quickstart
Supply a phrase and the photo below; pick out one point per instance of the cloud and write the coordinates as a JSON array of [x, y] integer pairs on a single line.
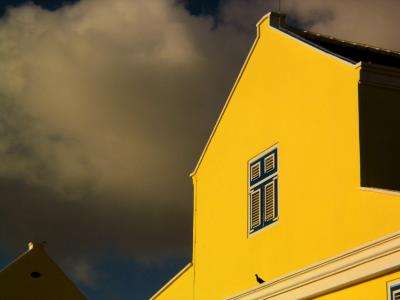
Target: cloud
[[105, 107], [82, 271], [371, 22]]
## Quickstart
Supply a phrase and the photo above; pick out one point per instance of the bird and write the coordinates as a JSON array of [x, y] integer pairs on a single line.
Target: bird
[[259, 279]]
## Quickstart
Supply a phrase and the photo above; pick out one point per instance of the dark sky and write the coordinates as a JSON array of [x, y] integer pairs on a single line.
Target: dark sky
[[46, 4], [202, 7], [104, 109]]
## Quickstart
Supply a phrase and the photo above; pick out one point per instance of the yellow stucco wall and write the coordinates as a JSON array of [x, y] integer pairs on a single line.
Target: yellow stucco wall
[[375, 289], [306, 102], [181, 288]]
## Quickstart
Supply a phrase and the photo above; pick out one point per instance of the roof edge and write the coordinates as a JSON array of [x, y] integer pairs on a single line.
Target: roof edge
[[393, 71], [35, 247], [379, 75], [172, 280], [278, 22], [31, 246], [262, 20]]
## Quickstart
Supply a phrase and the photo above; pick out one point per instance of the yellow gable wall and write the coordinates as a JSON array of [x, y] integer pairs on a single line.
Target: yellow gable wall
[[305, 102], [180, 288], [375, 289]]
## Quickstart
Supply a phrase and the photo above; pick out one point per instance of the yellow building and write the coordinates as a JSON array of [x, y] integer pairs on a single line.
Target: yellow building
[[299, 180], [35, 276]]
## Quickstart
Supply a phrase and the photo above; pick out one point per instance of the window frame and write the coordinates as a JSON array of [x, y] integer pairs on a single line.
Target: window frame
[[393, 289], [260, 183]]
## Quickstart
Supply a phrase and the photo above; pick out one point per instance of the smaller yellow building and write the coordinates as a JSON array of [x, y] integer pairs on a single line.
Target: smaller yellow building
[[35, 276], [299, 183]]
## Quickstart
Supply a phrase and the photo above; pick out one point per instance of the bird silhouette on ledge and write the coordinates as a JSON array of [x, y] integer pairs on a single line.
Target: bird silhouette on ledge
[[259, 279]]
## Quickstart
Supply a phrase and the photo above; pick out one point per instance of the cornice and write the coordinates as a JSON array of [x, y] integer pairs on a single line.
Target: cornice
[[368, 261]]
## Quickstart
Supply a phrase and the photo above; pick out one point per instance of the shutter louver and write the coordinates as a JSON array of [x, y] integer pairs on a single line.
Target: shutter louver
[[255, 171], [269, 203], [255, 208], [269, 164]]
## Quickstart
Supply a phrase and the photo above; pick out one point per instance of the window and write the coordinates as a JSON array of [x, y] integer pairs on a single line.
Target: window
[[394, 290], [263, 189]]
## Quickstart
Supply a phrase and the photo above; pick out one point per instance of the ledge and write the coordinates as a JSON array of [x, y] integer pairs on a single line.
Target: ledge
[[368, 261]]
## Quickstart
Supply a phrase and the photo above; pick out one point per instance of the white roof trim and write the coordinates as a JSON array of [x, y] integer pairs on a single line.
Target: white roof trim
[[231, 93], [171, 281], [368, 261], [310, 45], [267, 16]]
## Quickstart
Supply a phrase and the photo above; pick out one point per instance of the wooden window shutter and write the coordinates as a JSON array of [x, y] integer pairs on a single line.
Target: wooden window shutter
[[255, 207], [269, 201]]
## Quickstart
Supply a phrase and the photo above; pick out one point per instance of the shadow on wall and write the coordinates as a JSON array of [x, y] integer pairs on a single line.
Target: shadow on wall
[[379, 109]]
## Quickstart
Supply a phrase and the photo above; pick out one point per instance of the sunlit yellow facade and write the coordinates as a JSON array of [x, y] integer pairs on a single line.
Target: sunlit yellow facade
[[304, 101]]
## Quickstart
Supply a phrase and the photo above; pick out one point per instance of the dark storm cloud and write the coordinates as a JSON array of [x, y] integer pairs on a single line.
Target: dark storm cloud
[[202, 7], [105, 107], [371, 22], [107, 226]]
